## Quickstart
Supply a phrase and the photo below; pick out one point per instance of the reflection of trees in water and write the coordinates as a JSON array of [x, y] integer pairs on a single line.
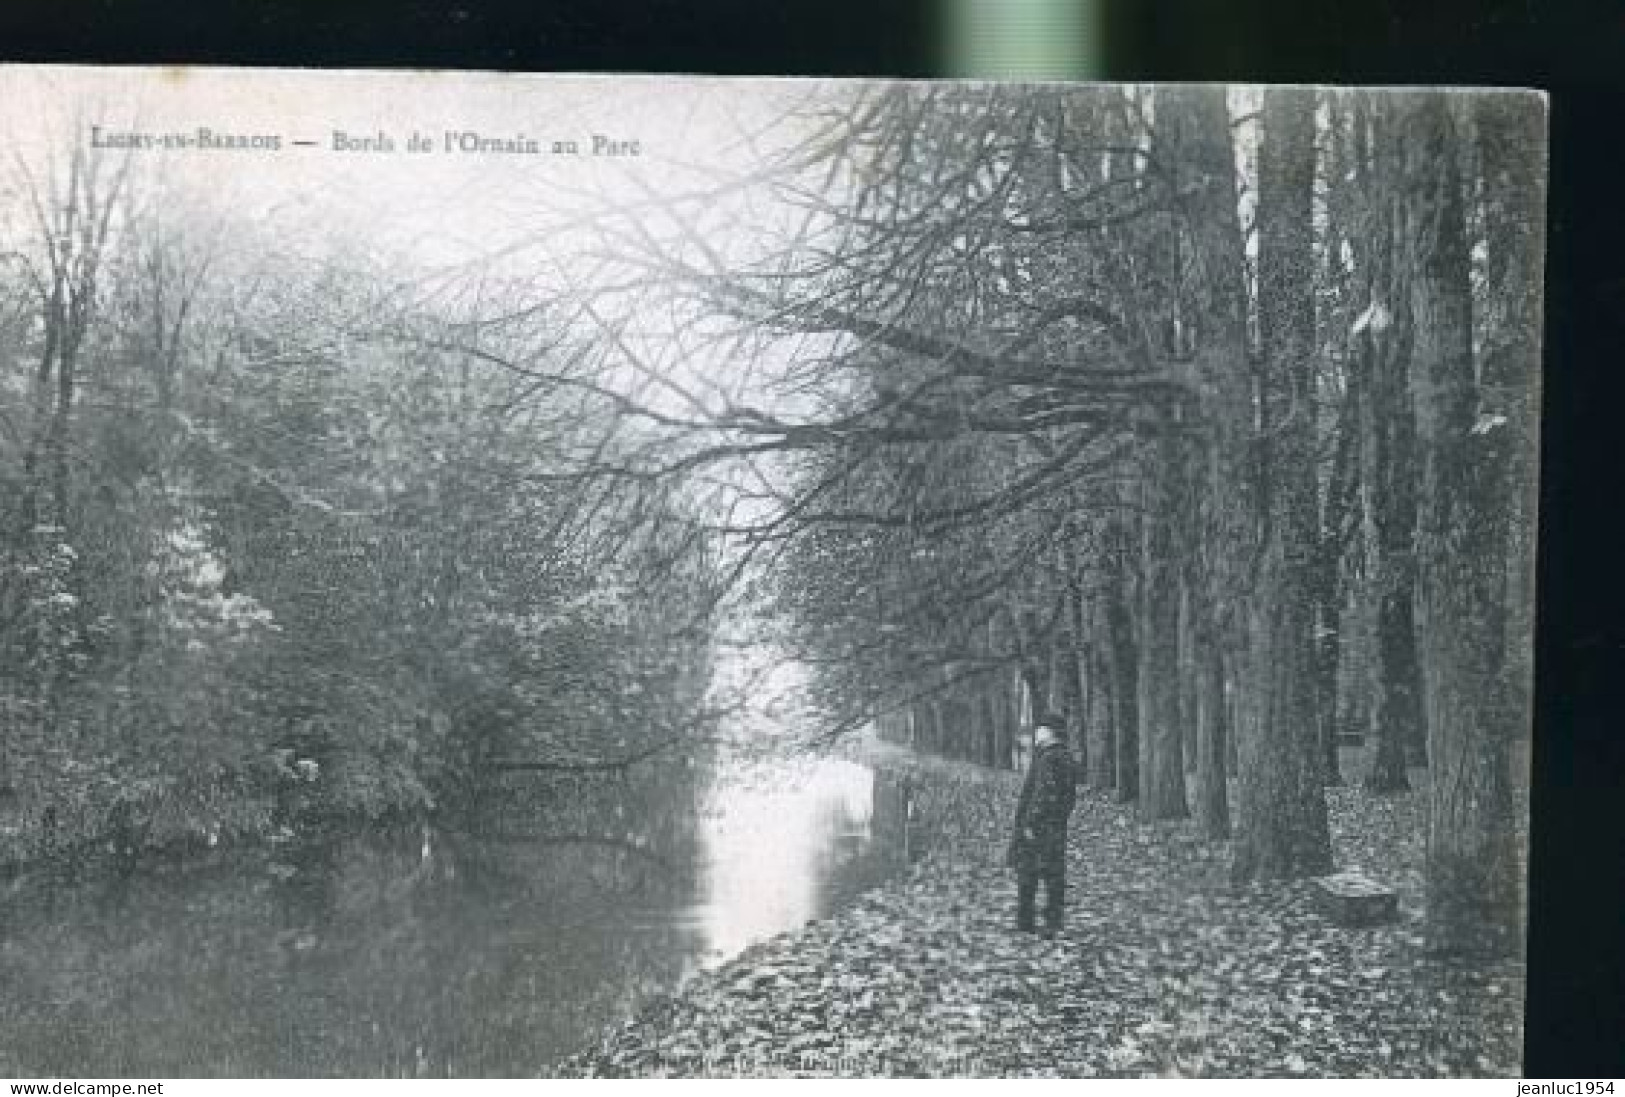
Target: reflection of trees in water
[[435, 951], [407, 952], [842, 824], [522, 958], [630, 827], [847, 839]]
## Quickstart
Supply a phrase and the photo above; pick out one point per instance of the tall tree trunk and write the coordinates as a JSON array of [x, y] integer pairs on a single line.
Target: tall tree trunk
[[987, 720], [1284, 830], [1210, 707], [1161, 762], [1189, 680], [1385, 346], [1124, 669], [1035, 676], [1338, 510], [1354, 673], [925, 728], [1102, 721], [1020, 700], [1212, 734], [1472, 878], [1058, 700], [1082, 681], [1194, 124], [1086, 691], [1509, 129], [1398, 715], [1335, 516], [1206, 707]]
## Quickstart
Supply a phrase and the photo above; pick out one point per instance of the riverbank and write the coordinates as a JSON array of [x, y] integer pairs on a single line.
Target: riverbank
[[1163, 968], [422, 951]]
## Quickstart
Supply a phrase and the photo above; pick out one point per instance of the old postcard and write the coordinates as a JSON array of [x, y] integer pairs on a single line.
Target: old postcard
[[530, 576]]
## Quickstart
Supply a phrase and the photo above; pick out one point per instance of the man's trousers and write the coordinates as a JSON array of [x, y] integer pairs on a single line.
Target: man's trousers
[[1042, 859]]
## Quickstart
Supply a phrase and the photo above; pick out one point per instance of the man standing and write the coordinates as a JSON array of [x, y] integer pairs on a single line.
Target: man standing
[[1038, 846]]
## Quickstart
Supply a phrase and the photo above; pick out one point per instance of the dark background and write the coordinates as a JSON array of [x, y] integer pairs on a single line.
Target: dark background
[[1576, 51]]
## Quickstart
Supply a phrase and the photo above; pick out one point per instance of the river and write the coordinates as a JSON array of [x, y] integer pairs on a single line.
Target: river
[[421, 950]]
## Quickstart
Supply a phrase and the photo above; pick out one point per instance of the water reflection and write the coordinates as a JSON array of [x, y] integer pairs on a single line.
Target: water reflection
[[492, 950], [780, 852]]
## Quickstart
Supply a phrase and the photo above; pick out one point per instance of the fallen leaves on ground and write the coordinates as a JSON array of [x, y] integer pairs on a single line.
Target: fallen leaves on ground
[[1163, 968]]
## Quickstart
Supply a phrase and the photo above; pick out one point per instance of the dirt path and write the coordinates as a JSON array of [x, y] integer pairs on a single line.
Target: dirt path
[[1162, 970]]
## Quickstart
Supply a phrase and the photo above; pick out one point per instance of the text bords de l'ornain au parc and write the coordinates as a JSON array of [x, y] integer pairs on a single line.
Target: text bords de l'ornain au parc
[[464, 142]]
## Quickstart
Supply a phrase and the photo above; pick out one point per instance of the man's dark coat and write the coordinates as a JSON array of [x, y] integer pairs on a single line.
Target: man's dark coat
[[1047, 796]]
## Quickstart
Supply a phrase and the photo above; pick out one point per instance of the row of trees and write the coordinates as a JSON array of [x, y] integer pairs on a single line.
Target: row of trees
[[1207, 419], [280, 538]]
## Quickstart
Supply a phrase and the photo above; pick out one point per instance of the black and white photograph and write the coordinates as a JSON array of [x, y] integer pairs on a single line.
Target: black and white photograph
[[644, 576]]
